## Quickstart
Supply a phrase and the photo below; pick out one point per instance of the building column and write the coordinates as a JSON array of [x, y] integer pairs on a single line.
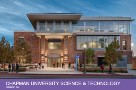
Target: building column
[[70, 25], [65, 50], [42, 48], [37, 25], [54, 24], [62, 25], [46, 26]]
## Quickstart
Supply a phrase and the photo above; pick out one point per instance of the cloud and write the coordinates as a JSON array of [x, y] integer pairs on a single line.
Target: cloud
[[13, 12]]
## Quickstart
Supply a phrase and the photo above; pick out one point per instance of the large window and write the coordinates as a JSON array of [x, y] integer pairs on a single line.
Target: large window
[[92, 26], [58, 25], [41, 25], [78, 26], [95, 42], [66, 25], [54, 45], [102, 26], [49, 25], [106, 26]]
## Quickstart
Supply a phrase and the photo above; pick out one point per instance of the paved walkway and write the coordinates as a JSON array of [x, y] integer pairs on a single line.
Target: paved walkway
[[60, 70]]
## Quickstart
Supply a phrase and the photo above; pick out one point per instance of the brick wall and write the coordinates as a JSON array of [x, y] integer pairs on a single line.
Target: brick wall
[[33, 41]]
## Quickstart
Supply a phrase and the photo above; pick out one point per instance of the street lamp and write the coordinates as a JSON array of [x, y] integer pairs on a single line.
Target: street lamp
[[84, 46]]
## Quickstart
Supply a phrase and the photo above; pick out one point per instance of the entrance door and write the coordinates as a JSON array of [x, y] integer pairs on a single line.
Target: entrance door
[[52, 61], [100, 61]]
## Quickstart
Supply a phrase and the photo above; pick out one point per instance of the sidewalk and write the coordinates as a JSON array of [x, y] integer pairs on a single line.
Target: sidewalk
[[71, 71]]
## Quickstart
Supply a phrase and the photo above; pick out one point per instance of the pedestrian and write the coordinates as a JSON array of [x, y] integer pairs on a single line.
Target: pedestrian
[[17, 67], [57, 64], [110, 68], [69, 65], [54, 65], [102, 67], [39, 65], [36, 65], [42, 65], [75, 66], [80, 65], [62, 65], [9, 67], [13, 67]]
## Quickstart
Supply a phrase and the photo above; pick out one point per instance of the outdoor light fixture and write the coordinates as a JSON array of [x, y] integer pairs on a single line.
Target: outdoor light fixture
[[132, 44]]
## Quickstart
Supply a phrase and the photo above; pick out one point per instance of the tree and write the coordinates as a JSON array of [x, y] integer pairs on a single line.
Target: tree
[[6, 52], [22, 51], [90, 55], [112, 53]]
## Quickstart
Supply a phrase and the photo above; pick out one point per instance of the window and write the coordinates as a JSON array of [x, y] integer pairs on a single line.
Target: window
[[124, 45], [106, 26], [41, 25], [95, 42], [21, 39], [49, 25], [54, 45], [100, 42], [58, 25], [66, 26], [79, 26], [92, 26]]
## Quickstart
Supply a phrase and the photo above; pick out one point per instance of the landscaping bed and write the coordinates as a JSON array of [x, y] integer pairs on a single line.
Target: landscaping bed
[[106, 69]]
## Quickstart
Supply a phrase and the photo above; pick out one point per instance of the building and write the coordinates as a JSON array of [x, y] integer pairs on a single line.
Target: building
[[59, 37]]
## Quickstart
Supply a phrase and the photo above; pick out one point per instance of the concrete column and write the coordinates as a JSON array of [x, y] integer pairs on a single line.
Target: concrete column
[[37, 25], [42, 48], [54, 24], [45, 25], [65, 49], [99, 26], [70, 25], [62, 25]]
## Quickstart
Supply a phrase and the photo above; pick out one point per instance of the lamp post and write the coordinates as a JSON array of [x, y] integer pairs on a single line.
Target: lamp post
[[84, 46]]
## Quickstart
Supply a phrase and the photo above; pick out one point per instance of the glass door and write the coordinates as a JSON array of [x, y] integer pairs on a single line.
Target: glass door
[[52, 61]]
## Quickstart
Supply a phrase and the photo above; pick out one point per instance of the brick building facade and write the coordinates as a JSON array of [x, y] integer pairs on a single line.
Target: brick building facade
[[58, 37]]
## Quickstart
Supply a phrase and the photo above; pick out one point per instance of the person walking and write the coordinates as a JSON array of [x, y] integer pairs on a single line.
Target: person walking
[[57, 64], [102, 67], [62, 65], [9, 67], [39, 65], [17, 67], [110, 68], [36, 65], [13, 67], [54, 65], [69, 65], [80, 65]]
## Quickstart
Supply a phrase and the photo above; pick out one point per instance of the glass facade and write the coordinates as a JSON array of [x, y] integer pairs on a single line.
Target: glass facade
[[87, 26], [102, 26], [96, 42]]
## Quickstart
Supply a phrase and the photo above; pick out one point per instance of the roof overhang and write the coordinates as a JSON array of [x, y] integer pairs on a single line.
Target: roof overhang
[[33, 17]]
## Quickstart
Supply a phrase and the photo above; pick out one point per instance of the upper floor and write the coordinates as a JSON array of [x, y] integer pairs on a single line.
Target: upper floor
[[75, 22]]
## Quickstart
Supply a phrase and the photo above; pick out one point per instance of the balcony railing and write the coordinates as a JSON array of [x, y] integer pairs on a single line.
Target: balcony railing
[[53, 31]]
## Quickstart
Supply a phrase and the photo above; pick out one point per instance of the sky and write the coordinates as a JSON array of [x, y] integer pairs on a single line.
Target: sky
[[13, 12]]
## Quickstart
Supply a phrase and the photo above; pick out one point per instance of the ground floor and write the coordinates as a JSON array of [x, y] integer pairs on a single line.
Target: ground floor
[[58, 49]]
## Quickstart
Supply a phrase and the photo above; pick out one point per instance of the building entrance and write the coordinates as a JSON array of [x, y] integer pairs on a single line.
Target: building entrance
[[100, 61], [54, 60]]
